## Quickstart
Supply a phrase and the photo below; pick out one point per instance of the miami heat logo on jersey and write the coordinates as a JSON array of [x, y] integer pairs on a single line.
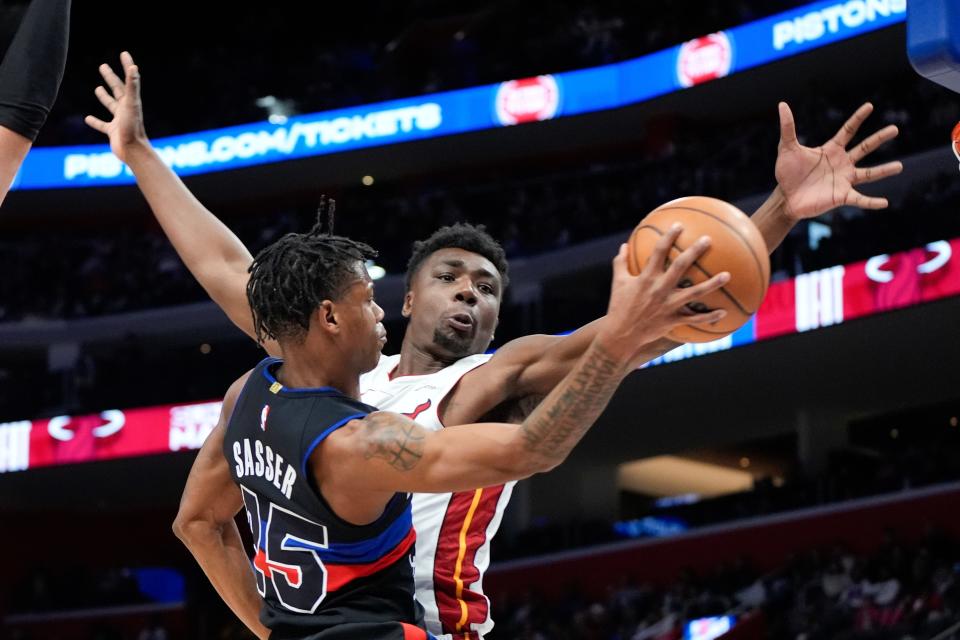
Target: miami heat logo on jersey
[[423, 406]]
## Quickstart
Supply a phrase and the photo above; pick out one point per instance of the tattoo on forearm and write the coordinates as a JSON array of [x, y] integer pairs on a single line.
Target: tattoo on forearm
[[398, 442], [559, 422]]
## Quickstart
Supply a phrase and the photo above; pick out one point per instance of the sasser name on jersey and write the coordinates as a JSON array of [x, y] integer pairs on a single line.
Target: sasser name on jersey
[[258, 459]]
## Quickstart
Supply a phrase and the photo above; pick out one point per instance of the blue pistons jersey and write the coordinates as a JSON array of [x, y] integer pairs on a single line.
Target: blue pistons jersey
[[320, 577]]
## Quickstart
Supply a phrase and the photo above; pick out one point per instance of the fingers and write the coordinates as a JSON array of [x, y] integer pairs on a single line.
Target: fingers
[[788, 128], [655, 263], [106, 99], [685, 296], [133, 82], [870, 143], [112, 80], [872, 174], [132, 73], [620, 262], [856, 199], [96, 123], [851, 126], [685, 260], [706, 318]]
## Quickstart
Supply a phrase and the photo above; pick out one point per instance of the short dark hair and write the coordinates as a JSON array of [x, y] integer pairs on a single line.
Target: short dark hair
[[290, 278], [461, 235]]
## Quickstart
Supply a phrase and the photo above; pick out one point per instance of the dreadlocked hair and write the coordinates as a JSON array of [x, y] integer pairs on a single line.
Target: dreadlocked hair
[[462, 235], [290, 278]]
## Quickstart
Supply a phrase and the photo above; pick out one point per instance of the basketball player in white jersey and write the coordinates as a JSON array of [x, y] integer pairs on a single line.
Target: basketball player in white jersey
[[455, 285]]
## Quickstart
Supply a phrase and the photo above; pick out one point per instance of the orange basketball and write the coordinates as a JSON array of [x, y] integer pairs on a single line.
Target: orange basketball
[[736, 246]]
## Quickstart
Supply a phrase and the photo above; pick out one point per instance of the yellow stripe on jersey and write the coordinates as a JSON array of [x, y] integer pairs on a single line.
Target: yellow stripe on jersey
[[461, 554]]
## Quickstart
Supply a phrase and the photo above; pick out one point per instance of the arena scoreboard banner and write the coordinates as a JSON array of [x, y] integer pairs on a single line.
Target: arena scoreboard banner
[[107, 435], [837, 294], [514, 102], [807, 302]]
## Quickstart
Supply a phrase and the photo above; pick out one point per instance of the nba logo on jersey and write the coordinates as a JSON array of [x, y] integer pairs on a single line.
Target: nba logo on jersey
[[263, 417]]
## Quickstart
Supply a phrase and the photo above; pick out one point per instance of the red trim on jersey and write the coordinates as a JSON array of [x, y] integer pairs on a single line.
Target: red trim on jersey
[[340, 574], [291, 573], [447, 556], [413, 633]]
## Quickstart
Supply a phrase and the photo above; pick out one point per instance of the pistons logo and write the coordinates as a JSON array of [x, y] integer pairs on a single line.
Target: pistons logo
[[704, 59], [527, 100]]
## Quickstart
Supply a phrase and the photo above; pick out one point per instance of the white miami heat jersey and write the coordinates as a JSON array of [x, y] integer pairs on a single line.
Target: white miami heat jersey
[[453, 529]]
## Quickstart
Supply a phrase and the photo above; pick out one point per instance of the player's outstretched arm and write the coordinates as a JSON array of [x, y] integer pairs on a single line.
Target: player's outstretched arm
[[213, 253], [532, 366], [810, 182], [388, 452], [29, 81], [205, 523]]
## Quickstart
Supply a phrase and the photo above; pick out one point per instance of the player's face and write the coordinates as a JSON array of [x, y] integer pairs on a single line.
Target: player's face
[[362, 322], [453, 303]]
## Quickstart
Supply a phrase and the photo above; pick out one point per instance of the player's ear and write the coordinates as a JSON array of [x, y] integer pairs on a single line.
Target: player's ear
[[407, 304], [326, 317]]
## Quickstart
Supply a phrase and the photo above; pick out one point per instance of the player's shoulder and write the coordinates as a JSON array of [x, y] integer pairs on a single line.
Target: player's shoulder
[[336, 409], [475, 365], [234, 391], [474, 360], [464, 365]]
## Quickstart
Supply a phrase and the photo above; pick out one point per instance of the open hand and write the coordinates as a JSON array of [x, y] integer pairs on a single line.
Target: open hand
[[817, 179], [122, 100]]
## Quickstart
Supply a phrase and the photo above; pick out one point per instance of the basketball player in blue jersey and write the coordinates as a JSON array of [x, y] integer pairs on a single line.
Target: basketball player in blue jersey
[[29, 80], [455, 285], [325, 478]]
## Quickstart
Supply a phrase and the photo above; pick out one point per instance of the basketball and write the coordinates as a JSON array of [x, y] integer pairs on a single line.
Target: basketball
[[736, 246]]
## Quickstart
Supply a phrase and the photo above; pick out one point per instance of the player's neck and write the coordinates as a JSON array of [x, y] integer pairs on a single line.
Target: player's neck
[[417, 361], [302, 373]]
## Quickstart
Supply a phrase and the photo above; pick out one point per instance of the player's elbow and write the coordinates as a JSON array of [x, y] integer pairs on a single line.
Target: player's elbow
[[181, 528], [524, 463], [191, 529], [544, 464]]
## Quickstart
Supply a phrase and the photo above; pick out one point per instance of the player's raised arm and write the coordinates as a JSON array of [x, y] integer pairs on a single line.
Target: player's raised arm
[[810, 182], [388, 452], [29, 81], [213, 253]]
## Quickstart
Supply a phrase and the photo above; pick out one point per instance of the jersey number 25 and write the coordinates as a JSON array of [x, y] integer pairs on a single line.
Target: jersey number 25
[[286, 554]]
